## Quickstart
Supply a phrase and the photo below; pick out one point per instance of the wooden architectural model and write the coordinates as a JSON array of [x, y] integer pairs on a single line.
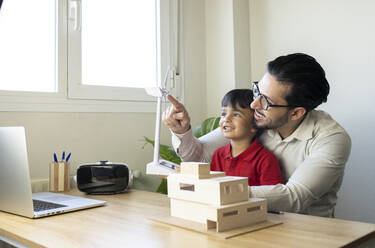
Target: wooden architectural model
[[213, 199]]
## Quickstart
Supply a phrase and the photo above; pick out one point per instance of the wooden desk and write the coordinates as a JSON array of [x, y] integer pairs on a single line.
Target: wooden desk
[[123, 223]]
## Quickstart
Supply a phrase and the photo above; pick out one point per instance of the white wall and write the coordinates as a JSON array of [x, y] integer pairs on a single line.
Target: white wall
[[220, 53], [195, 59], [227, 50], [90, 137], [340, 35], [115, 136]]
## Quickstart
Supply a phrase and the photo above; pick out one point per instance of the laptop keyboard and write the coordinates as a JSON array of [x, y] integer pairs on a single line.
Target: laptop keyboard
[[43, 205]]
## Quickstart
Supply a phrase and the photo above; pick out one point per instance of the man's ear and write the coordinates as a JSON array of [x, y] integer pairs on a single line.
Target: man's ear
[[297, 113]]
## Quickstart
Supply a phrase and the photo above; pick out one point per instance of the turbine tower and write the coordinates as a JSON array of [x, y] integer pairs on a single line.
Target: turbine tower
[[159, 166]]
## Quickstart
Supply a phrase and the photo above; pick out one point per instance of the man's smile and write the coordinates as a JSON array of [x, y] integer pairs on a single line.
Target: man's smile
[[258, 115]]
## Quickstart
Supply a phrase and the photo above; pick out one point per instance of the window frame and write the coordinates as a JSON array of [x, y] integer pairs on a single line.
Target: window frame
[[62, 101]]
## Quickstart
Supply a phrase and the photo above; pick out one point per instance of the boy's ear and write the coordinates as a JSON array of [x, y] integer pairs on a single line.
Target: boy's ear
[[297, 113]]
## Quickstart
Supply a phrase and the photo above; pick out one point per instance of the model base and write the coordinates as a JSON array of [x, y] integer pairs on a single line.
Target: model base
[[163, 167]]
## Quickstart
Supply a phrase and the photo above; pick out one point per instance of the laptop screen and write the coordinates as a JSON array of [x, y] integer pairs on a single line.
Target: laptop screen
[[15, 186]]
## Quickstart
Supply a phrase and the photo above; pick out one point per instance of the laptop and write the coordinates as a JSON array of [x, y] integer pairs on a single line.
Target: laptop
[[15, 185]]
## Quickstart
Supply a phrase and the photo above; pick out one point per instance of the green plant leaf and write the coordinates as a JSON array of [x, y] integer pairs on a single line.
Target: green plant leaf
[[153, 142], [207, 126], [166, 152], [163, 187]]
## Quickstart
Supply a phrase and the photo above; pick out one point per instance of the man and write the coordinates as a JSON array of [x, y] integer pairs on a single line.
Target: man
[[312, 148]]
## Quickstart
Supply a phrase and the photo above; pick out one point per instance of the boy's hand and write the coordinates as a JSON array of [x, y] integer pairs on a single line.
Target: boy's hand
[[176, 117]]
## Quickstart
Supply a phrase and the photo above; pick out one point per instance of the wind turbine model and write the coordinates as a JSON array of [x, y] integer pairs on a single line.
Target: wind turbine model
[[159, 166]]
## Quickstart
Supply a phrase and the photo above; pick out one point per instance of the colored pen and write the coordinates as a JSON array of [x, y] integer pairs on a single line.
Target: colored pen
[[68, 157], [55, 158], [63, 156]]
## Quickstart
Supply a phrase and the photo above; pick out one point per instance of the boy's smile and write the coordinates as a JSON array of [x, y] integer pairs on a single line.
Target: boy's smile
[[227, 128]]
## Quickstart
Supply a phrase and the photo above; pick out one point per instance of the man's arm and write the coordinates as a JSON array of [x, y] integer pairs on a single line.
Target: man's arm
[[185, 144], [176, 117], [320, 173], [190, 148]]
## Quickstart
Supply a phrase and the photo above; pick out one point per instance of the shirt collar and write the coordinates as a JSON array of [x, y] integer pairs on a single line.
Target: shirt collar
[[227, 153], [305, 130], [245, 155]]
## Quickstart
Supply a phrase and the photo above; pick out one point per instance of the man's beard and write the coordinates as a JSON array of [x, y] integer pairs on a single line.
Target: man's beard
[[271, 124]]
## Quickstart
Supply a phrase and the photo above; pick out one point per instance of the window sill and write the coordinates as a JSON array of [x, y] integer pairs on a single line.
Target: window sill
[[58, 104]]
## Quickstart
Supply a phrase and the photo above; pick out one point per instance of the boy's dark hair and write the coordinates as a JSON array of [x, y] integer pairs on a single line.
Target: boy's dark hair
[[309, 88], [242, 97]]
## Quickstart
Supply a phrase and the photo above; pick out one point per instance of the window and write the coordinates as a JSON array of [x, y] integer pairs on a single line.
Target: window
[[27, 46], [91, 56]]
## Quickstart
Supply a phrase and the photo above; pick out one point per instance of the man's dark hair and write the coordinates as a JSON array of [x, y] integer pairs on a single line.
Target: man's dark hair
[[1, 2], [309, 88], [242, 97]]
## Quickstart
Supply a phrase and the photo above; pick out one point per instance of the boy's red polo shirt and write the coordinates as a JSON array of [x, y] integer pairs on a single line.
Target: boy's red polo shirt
[[256, 163]]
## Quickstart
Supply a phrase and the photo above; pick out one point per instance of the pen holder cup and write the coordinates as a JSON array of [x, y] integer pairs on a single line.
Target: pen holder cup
[[59, 176]]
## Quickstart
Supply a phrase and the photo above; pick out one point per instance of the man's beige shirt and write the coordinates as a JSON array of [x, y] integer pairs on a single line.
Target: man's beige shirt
[[312, 160]]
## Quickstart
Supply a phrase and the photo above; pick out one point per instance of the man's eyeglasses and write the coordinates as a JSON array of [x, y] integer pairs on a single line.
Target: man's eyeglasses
[[264, 102]]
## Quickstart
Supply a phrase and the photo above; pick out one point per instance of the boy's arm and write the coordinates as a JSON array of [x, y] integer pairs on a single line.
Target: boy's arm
[[269, 170], [216, 161]]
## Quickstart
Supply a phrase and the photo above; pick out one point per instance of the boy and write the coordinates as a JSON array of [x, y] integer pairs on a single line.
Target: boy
[[244, 156]]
